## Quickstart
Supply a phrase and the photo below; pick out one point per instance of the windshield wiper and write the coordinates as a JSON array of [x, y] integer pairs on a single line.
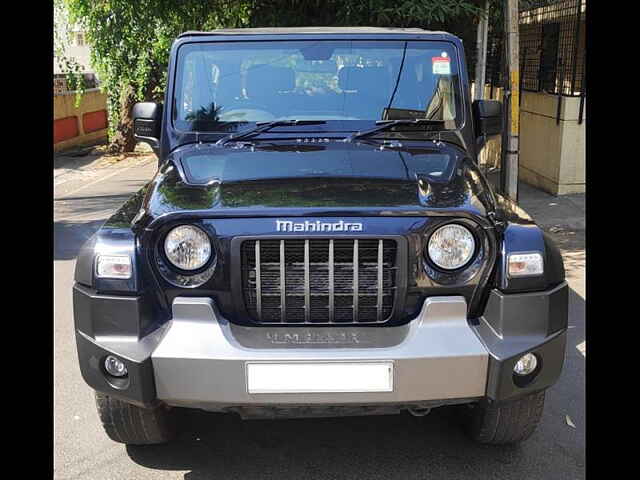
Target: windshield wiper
[[263, 127], [387, 124]]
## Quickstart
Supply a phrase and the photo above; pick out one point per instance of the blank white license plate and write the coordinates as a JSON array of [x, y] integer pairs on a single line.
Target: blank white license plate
[[329, 377]]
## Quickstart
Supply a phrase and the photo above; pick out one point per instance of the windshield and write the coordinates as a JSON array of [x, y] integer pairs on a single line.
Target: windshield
[[222, 85]]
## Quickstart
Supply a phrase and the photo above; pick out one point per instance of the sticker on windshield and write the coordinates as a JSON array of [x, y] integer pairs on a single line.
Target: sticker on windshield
[[441, 65]]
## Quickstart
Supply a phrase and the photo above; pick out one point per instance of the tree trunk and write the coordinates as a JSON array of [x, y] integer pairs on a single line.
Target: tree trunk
[[123, 140]]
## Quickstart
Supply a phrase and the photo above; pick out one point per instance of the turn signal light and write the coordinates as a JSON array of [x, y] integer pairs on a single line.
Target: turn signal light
[[524, 264], [113, 266]]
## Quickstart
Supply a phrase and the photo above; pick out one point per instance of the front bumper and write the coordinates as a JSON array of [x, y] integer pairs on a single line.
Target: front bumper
[[198, 359]]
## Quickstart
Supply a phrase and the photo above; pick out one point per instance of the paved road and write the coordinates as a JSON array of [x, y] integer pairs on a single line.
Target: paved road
[[216, 446]]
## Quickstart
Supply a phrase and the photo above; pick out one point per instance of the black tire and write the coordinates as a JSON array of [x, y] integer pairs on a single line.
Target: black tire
[[508, 422], [133, 425]]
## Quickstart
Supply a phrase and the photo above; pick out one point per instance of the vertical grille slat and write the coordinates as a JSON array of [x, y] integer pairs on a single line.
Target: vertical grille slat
[[380, 277], [319, 280], [307, 288], [283, 291], [355, 281], [331, 284], [258, 282]]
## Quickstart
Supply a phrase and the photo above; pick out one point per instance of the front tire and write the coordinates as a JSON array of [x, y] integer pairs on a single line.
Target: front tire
[[509, 422], [133, 425]]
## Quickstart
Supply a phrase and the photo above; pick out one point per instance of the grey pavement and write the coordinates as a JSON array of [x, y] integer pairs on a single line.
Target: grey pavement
[[224, 447], [565, 211]]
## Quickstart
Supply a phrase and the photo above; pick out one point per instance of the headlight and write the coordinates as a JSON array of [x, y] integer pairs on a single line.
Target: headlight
[[451, 246], [187, 247]]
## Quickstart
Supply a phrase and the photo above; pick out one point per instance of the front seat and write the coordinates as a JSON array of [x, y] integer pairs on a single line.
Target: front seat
[[271, 87], [366, 90]]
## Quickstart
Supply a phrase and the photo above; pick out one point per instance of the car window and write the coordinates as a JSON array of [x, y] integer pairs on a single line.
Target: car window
[[241, 82]]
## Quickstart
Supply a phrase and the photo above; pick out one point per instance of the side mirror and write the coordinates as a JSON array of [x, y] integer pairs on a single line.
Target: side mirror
[[147, 120], [487, 117]]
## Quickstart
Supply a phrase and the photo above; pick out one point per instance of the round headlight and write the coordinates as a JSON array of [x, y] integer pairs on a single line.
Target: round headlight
[[187, 247], [451, 246]]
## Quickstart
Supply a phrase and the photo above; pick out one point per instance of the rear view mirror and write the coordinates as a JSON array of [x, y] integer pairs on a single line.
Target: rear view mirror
[[147, 120], [487, 116], [317, 52]]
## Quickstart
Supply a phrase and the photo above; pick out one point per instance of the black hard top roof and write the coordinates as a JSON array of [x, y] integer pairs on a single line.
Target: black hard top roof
[[315, 31]]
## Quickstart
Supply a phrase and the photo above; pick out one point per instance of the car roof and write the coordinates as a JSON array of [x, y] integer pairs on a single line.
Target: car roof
[[317, 31]]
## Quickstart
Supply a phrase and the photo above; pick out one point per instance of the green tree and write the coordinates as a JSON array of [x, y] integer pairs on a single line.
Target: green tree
[[61, 41], [429, 14], [130, 40]]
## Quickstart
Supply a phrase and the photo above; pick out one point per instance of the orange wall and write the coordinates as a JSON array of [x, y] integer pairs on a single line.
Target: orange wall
[[94, 121], [77, 125], [64, 129]]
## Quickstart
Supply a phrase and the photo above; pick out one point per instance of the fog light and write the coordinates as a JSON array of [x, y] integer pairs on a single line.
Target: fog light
[[526, 364], [115, 367]]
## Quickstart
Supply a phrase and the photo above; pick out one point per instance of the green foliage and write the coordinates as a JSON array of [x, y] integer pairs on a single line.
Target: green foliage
[[130, 40], [61, 40], [380, 13]]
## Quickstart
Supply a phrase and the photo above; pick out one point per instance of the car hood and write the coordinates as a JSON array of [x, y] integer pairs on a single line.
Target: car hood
[[326, 178]]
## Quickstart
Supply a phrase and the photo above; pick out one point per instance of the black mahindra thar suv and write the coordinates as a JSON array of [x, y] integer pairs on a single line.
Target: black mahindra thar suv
[[319, 240]]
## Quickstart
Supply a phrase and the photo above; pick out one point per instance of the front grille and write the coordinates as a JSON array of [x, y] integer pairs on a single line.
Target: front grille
[[319, 280]]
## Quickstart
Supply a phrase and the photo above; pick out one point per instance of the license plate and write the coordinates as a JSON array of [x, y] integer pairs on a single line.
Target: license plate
[[315, 377]]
